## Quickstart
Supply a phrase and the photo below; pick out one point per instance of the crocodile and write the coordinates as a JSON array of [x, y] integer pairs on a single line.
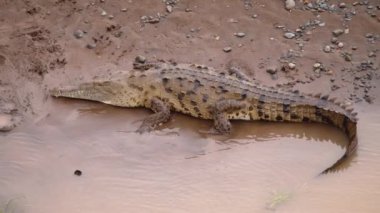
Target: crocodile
[[203, 92]]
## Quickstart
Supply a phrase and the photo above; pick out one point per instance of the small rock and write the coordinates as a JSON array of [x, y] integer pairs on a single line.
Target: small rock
[[347, 56], [327, 49], [342, 5], [337, 32], [78, 34], [289, 4], [187, 10], [140, 59], [317, 65], [169, 8], [292, 66], [289, 35], [272, 70], [354, 48], [91, 45], [340, 45], [6, 123], [371, 54], [334, 40], [124, 9], [227, 49], [369, 35], [111, 16], [254, 16], [104, 13], [239, 34]]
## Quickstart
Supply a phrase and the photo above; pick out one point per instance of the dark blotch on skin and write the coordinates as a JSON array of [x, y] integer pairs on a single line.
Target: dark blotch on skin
[[204, 98], [279, 118], [168, 90], [250, 108], [194, 103], [286, 108], [262, 99], [190, 92], [293, 116], [260, 113], [152, 87], [165, 80], [180, 96], [266, 116], [243, 96], [196, 109], [306, 119], [318, 112]]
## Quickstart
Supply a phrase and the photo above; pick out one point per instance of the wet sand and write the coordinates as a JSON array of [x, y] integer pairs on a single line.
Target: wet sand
[[261, 167]]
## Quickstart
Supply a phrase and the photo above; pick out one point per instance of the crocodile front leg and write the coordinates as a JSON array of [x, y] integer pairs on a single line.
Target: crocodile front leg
[[161, 115], [221, 110]]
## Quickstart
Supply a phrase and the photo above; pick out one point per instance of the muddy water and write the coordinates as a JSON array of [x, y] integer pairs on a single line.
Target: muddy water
[[262, 167]]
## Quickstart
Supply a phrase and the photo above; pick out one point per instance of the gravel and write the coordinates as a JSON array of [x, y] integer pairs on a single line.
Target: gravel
[[227, 49], [289, 35]]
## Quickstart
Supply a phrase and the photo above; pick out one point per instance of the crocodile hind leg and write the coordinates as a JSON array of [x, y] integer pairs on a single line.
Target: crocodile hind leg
[[221, 110], [161, 115]]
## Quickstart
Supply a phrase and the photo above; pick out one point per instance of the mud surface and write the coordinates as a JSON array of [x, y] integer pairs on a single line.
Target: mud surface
[[261, 167]]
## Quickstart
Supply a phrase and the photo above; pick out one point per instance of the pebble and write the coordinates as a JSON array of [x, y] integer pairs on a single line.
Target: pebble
[[169, 8], [111, 16], [271, 70], [337, 32], [239, 34], [327, 49], [292, 66], [342, 5], [6, 123], [91, 45], [140, 59], [289, 35], [227, 49], [124, 9], [78, 34], [289, 4], [372, 54], [254, 16], [340, 45], [104, 13], [317, 65], [334, 40]]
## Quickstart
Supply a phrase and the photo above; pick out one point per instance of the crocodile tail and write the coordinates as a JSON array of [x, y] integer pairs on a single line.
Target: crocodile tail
[[348, 125]]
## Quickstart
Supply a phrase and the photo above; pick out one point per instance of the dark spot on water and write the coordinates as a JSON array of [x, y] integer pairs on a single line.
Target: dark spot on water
[[78, 172]]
